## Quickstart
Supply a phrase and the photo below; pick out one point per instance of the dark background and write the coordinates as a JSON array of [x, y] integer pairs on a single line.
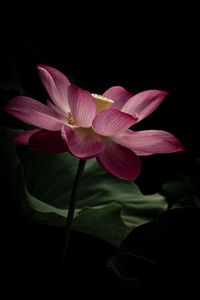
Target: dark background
[[136, 46]]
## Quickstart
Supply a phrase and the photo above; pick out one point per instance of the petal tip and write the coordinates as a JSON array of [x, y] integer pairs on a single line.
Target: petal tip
[[180, 148], [164, 93], [158, 93], [41, 66]]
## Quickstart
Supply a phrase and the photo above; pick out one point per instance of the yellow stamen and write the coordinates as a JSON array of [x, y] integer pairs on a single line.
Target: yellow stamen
[[70, 119], [102, 102]]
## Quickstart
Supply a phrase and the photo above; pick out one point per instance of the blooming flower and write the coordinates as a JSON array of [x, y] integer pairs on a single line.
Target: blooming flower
[[91, 125]]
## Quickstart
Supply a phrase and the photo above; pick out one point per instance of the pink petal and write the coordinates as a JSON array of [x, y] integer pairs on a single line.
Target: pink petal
[[23, 138], [120, 162], [22, 102], [112, 121], [33, 112], [82, 143], [148, 142], [82, 105], [56, 85], [119, 95], [48, 142], [58, 113], [144, 103]]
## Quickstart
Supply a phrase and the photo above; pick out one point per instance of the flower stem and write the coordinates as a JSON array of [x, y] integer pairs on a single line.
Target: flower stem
[[71, 210]]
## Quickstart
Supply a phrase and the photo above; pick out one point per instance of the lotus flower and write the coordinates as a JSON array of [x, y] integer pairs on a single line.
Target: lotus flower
[[90, 125]]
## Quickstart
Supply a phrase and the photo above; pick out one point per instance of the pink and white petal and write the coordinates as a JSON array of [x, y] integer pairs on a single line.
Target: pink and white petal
[[37, 119], [120, 162], [48, 142], [58, 113], [35, 113], [119, 95], [82, 106], [144, 103], [56, 85], [23, 102], [23, 138], [82, 143], [148, 142], [112, 121]]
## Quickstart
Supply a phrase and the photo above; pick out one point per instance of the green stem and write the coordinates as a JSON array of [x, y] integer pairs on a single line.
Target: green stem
[[71, 209]]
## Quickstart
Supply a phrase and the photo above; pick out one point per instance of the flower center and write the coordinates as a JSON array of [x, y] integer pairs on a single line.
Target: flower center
[[70, 119], [102, 102]]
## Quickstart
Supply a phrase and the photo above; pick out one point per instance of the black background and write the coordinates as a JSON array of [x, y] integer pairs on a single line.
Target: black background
[[96, 45]]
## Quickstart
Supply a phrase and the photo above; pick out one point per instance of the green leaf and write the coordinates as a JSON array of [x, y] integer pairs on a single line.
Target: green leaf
[[181, 192], [107, 207], [104, 222]]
